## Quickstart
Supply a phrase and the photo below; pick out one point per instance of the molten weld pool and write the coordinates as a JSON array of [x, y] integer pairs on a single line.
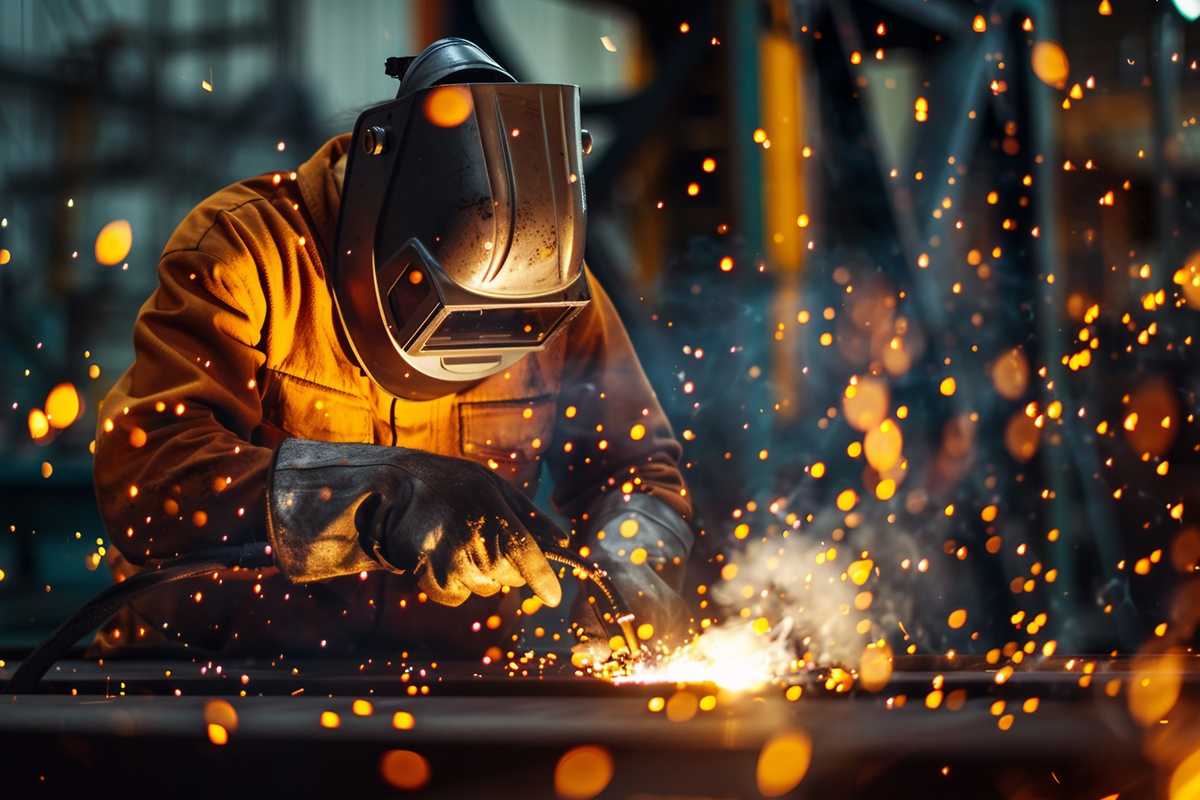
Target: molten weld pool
[[938, 729]]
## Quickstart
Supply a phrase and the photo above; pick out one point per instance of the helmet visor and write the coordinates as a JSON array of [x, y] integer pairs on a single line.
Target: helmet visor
[[435, 316]]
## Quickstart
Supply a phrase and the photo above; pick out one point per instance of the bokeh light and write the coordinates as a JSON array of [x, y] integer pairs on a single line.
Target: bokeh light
[[583, 772], [63, 406], [865, 403], [783, 763], [449, 106], [1050, 64], [404, 769], [114, 242]]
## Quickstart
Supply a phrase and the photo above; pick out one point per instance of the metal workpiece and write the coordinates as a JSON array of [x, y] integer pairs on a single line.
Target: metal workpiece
[[1078, 741]]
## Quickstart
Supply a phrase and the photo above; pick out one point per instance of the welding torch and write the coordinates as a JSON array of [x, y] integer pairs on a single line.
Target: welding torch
[[160, 572], [622, 613]]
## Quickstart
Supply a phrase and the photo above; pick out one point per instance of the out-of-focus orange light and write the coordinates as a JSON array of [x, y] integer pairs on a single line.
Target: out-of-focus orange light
[[1185, 780], [875, 667], [62, 406], [1154, 686], [217, 734], [1050, 64], [1010, 374], [39, 426], [448, 106], [221, 713], [583, 772], [114, 242], [404, 769], [883, 445], [865, 402], [783, 762]]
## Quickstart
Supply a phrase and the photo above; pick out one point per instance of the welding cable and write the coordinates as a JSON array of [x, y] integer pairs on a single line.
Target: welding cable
[[100, 608], [621, 610]]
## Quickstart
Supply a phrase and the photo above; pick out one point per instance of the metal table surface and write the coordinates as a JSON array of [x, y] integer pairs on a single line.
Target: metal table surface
[[484, 734]]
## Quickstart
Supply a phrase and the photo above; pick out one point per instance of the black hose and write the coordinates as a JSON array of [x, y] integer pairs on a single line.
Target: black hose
[[100, 608]]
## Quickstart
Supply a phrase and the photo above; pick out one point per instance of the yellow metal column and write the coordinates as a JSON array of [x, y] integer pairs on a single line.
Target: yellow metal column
[[784, 198]]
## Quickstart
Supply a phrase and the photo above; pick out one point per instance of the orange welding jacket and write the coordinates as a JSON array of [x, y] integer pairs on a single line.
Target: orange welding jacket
[[238, 348]]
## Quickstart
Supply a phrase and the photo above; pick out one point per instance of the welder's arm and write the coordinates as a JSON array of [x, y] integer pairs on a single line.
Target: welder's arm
[[611, 430], [175, 470], [643, 545], [616, 469]]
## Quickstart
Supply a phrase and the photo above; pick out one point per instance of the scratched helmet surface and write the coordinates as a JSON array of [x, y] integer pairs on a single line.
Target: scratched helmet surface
[[460, 244]]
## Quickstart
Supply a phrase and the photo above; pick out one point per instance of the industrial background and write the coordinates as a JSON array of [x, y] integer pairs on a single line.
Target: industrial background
[[823, 221]]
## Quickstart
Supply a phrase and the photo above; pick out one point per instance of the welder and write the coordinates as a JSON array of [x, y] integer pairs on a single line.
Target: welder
[[365, 363]]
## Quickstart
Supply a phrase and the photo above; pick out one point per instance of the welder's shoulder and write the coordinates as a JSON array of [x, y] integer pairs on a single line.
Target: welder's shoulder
[[239, 225]]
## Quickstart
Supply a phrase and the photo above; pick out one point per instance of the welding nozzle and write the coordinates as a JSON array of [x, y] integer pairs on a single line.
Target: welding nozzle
[[630, 634]]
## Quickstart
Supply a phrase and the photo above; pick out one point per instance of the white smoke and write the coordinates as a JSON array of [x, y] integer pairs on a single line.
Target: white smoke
[[792, 598]]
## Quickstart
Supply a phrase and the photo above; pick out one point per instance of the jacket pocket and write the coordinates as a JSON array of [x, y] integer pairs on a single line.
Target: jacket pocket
[[310, 410], [507, 435]]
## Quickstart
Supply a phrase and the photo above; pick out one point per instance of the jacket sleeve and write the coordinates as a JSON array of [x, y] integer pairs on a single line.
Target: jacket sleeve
[[612, 439], [175, 470]]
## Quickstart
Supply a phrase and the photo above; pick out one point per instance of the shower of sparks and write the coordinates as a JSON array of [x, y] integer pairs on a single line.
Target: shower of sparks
[[901, 504], [927, 420]]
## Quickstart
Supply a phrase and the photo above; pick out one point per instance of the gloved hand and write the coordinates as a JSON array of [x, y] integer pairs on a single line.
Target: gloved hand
[[336, 509], [460, 528], [644, 548]]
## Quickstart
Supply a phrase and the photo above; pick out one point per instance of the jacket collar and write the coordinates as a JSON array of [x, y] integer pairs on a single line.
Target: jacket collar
[[320, 191]]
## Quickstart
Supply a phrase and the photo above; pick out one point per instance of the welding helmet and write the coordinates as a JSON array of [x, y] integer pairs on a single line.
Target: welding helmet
[[460, 241]]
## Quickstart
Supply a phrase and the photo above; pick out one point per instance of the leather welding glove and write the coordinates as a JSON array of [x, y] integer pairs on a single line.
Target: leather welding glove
[[643, 545], [338, 509]]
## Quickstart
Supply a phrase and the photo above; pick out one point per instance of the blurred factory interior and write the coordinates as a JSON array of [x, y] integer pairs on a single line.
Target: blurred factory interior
[[816, 217]]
